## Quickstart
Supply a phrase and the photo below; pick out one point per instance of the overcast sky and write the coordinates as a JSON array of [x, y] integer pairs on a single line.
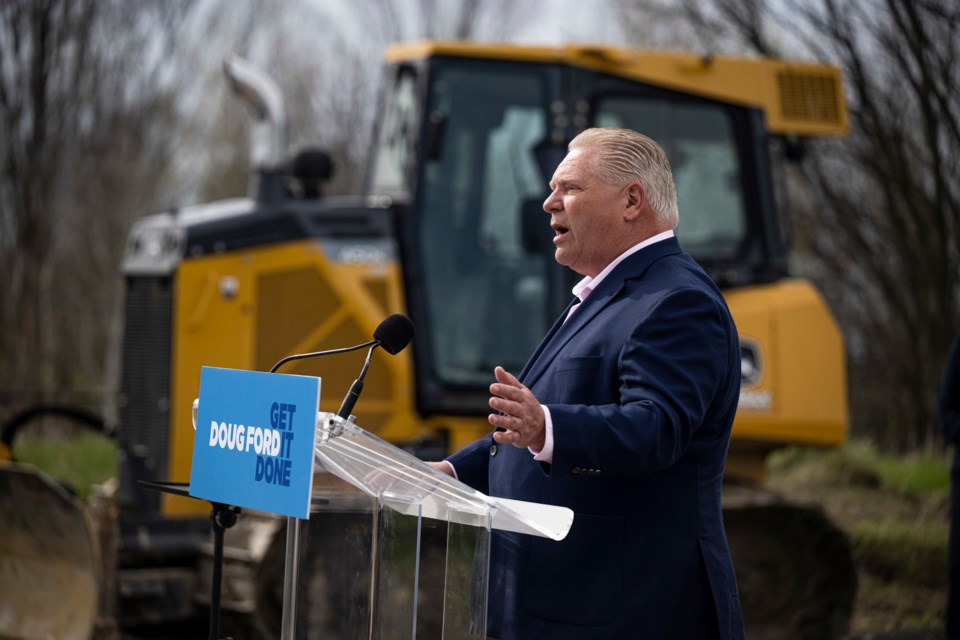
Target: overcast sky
[[574, 21]]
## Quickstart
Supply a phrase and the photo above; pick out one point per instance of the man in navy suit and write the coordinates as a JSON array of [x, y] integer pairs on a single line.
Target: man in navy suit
[[948, 414], [622, 414]]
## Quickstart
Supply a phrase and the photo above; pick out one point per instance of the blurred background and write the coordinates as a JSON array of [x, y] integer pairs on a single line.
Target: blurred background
[[112, 110], [115, 110]]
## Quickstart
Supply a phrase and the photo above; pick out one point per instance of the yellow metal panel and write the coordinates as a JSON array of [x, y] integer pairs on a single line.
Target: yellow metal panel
[[248, 309], [803, 99], [408, 52], [212, 322], [797, 98], [801, 396]]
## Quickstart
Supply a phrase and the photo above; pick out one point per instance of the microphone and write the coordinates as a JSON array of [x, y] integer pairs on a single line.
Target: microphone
[[393, 334]]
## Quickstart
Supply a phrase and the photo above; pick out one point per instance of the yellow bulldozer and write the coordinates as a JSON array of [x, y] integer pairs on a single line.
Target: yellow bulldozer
[[452, 233]]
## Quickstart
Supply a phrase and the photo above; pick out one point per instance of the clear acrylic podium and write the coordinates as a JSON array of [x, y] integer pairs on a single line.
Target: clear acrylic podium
[[400, 549]]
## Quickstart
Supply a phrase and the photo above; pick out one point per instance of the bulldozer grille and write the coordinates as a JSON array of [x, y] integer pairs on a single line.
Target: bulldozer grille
[[145, 389], [810, 97]]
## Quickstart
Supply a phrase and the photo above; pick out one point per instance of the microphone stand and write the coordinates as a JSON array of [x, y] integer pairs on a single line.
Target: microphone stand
[[349, 400], [393, 334], [222, 517]]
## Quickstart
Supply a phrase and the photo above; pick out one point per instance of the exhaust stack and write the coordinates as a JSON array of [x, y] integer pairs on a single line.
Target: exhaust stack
[[269, 132]]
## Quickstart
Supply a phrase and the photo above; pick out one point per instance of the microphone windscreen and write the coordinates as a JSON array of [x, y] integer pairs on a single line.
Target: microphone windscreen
[[394, 333]]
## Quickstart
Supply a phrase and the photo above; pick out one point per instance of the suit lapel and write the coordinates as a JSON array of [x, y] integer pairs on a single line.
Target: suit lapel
[[546, 340], [632, 267]]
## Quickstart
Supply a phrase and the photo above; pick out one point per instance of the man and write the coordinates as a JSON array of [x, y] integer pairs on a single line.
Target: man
[[623, 414], [948, 414]]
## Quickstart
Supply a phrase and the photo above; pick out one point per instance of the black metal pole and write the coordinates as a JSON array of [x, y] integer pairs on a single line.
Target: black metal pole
[[217, 574], [222, 518]]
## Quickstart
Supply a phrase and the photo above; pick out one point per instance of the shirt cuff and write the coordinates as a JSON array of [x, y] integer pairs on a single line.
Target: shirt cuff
[[453, 469], [546, 453]]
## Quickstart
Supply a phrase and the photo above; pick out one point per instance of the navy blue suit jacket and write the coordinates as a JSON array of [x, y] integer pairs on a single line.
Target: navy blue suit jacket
[[642, 385]]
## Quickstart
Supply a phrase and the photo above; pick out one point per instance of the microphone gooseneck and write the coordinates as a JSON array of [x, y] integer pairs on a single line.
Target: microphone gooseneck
[[349, 400], [393, 334], [313, 354]]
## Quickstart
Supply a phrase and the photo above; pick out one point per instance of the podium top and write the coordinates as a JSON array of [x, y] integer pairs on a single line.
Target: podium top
[[409, 485]]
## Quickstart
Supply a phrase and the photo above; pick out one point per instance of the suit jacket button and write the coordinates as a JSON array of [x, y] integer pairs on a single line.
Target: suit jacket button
[[493, 450], [575, 471]]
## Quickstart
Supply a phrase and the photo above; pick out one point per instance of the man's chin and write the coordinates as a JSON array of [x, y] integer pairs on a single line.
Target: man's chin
[[564, 260]]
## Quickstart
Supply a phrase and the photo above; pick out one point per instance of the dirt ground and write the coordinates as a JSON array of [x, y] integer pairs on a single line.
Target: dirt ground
[[899, 539]]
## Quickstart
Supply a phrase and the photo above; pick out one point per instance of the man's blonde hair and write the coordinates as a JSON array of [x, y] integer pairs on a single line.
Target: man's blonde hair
[[625, 156]]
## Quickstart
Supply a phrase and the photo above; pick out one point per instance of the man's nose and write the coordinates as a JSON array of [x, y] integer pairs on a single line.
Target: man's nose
[[552, 203]]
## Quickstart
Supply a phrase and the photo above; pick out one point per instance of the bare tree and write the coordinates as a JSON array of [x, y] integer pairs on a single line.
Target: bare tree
[[112, 110], [87, 139], [900, 219], [880, 212], [327, 58]]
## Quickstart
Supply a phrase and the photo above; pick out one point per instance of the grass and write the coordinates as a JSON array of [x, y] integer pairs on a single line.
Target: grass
[[78, 460], [896, 512]]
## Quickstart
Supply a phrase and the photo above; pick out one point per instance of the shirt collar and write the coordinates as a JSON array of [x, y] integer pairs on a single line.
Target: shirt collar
[[589, 284]]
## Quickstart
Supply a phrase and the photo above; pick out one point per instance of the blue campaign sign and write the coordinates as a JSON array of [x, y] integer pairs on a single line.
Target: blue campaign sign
[[254, 442]]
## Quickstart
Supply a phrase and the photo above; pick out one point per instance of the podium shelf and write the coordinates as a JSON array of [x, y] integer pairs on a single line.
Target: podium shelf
[[412, 487]]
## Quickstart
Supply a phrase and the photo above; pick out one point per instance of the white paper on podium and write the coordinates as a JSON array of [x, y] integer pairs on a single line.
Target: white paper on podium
[[411, 486]]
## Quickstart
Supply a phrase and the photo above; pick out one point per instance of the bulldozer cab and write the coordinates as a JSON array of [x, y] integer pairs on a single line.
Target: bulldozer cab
[[470, 137]]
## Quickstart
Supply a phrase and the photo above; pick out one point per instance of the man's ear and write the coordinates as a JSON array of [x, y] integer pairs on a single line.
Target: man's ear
[[635, 202]]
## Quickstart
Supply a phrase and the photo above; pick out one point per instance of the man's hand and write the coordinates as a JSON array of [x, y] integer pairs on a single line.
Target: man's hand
[[443, 466], [519, 412]]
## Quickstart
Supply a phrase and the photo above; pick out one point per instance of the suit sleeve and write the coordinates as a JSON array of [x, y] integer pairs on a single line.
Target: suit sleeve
[[948, 396], [472, 464], [674, 364]]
